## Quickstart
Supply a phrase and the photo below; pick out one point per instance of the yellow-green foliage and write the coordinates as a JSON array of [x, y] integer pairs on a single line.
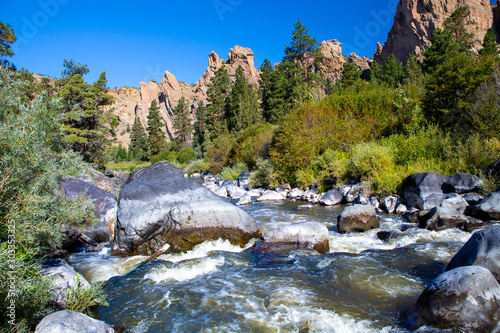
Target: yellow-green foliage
[[218, 152], [197, 166], [265, 174], [128, 166], [233, 172], [251, 144], [82, 299]]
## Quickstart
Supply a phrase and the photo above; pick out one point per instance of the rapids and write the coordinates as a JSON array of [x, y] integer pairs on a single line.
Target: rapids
[[363, 285]]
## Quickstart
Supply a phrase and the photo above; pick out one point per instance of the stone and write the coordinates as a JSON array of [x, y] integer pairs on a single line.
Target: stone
[[245, 199], [353, 193], [330, 198], [465, 299], [68, 321], [416, 20], [159, 206], [271, 196], [463, 183], [472, 199], [417, 187], [64, 278], [361, 199], [302, 235], [255, 193], [99, 180], [295, 193], [482, 249], [244, 179], [105, 205], [488, 209], [401, 208], [494, 168], [440, 218], [455, 202], [221, 191], [357, 218], [235, 192], [373, 202], [389, 203], [435, 200]]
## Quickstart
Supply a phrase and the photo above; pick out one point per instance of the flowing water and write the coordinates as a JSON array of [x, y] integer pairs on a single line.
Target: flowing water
[[362, 285]]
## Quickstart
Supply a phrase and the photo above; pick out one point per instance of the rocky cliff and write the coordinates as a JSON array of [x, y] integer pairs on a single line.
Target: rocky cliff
[[135, 102], [416, 20]]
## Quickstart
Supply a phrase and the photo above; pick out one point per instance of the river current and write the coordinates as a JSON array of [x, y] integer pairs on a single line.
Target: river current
[[363, 285]]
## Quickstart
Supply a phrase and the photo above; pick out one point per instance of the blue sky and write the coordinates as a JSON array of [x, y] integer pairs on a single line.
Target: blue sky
[[137, 41]]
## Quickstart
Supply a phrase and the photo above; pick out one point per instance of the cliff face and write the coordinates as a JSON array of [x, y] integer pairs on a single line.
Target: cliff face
[[416, 20]]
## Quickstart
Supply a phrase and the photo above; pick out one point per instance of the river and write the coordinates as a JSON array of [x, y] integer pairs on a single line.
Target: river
[[362, 285]]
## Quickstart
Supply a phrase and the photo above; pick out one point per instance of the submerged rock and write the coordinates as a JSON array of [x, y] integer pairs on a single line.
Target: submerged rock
[[302, 235], [465, 299], [482, 249], [158, 206], [67, 321], [357, 218]]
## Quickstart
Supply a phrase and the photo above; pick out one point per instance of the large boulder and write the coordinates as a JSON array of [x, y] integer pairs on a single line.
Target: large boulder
[[295, 193], [440, 218], [64, 279], [417, 187], [105, 207], [67, 321], [494, 168], [330, 198], [463, 183], [272, 196], [357, 218], [465, 299], [455, 201], [302, 235], [488, 209], [158, 206], [482, 249], [244, 179]]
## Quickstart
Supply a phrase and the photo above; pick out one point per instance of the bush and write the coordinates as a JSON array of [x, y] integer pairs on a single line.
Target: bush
[[251, 144], [265, 175], [186, 155], [81, 299], [165, 156], [233, 172], [218, 152], [197, 166]]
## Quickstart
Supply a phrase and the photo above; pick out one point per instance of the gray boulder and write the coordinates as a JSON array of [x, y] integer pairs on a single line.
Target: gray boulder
[[389, 204], [488, 209], [302, 235], [244, 179], [373, 202], [236, 192], [330, 198], [472, 199], [295, 193], [455, 201], [158, 206], [255, 193], [357, 218], [493, 169], [463, 183], [435, 200], [64, 278], [271, 196], [67, 321], [465, 299], [482, 249], [361, 199], [440, 218], [245, 199], [417, 187], [105, 205], [99, 180]]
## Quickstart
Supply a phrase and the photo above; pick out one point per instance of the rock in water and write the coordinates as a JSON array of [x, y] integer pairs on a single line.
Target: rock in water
[[302, 235], [465, 299], [71, 322], [488, 209], [158, 205], [440, 218], [357, 218], [330, 198], [482, 249], [419, 186]]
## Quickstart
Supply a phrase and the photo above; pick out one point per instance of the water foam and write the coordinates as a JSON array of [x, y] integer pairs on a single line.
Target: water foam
[[186, 270]]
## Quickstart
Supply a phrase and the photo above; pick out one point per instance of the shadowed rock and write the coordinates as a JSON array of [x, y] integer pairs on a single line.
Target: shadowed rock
[[440, 218], [71, 322], [357, 218]]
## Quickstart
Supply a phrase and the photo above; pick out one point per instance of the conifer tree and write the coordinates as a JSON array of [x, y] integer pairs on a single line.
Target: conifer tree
[[7, 37], [350, 74], [413, 72], [156, 136], [392, 71], [85, 122], [218, 98], [490, 46], [301, 44], [139, 145], [201, 133], [182, 122], [375, 72], [243, 108]]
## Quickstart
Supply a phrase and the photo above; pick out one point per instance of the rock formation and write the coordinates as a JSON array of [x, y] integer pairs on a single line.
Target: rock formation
[[416, 20]]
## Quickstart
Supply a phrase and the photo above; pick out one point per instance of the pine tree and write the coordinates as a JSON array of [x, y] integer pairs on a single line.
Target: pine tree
[[490, 46], [218, 98], [182, 123], [392, 71], [85, 122], [7, 37], [375, 72], [156, 136], [413, 72], [243, 108], [350, 74], [139, 145], [301, 44]]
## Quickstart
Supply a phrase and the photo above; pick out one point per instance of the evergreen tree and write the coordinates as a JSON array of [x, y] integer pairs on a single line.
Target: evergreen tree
[[375, 72], [490, 46], [350, 74], [301, 44], [413, 71], [156, 136], [7, 37], [265, 85], [139, 145], [182, 122], [392, 72], [453, 39], [201, 133], [218, 99], [85, 122], [243, 108], [121, 154]]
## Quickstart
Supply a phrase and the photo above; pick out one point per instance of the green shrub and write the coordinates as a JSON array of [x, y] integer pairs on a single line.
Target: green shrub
[[265, 175], [165, 156], [197, 166], [218, 152], [252, 143], [186, 155], [369, 160], [233, 172], [82, 299]]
